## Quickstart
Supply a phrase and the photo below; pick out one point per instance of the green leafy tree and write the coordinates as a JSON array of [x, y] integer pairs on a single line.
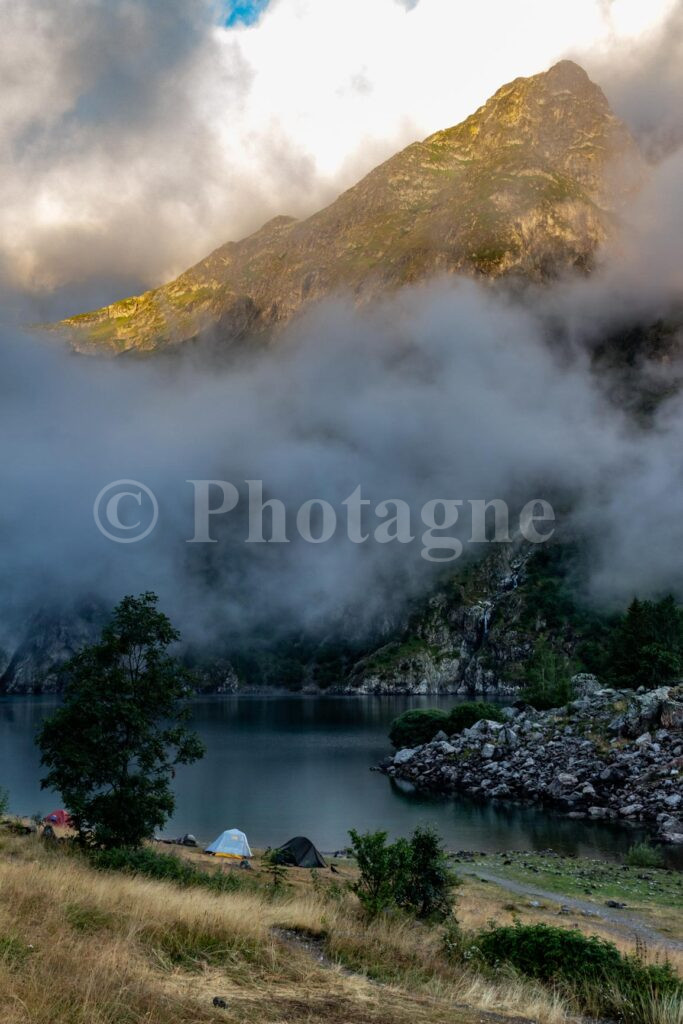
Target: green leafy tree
[[548, 678], [426, 882], [378, 865], [4, 802], [112, 747], [411, 874]]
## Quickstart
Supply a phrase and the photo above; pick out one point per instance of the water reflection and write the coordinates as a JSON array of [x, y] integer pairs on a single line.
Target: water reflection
[[510, 826], [281, 766]]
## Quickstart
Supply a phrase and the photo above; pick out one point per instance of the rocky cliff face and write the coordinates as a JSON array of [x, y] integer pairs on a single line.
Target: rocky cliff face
[[611, 754], [528, 186], [472, 635], [51, 638]]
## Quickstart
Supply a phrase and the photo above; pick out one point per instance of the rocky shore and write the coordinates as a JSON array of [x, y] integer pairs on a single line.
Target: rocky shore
[[610, 754]]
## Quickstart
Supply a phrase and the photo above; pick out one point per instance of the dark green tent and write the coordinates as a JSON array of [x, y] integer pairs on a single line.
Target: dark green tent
[[299, 853]]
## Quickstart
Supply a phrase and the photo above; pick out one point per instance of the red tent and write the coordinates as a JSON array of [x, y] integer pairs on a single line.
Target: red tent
[[60, 817]]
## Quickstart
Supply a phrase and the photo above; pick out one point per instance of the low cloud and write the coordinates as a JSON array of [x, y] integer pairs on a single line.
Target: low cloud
[[643, 81], [443, 391]]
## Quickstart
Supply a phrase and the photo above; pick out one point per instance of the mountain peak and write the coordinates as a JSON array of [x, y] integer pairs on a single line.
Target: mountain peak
[[566, 80], [568, 74], [524, 187], [557, 119]]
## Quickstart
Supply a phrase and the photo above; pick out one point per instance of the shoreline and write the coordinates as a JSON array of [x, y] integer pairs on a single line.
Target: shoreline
[[502, 826], [274, 691], [610, 755]]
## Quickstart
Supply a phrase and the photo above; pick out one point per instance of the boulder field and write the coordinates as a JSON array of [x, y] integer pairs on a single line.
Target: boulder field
[[609, 754]]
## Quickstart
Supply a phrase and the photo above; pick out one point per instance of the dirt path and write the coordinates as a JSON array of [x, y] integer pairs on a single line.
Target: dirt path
[[620, 922]]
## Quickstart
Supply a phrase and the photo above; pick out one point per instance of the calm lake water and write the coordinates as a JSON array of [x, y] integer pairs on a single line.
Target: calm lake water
[[282, 766]]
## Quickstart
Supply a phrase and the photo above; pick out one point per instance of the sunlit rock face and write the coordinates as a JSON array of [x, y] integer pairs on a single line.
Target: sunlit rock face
[[527, 187]]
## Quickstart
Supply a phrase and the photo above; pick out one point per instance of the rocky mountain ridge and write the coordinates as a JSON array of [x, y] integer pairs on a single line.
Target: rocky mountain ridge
[[465, 639], [526, 188], [33, 662]]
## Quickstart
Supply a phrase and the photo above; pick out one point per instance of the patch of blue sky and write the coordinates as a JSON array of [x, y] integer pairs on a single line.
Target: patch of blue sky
[[244, 12]]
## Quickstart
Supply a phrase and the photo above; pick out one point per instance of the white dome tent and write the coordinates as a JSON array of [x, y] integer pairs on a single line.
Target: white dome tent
[[231, 843]]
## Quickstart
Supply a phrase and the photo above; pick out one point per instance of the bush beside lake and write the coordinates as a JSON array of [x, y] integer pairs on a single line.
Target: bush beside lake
[[420, 725]]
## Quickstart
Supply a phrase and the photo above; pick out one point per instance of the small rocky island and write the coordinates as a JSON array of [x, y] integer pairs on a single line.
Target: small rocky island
[[609, 754]]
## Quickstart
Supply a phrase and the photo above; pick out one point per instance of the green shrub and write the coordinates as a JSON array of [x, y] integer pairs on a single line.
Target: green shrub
[[591, 971], [453, 941], [426, 881], [417, 726], [421, 725], [4, 802], [410, 874], [165, 867], [278, 878], [465, 715], [642, 855], [543, 952], [377, 866]]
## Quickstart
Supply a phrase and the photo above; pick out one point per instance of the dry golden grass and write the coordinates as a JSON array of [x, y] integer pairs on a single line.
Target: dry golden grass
[[83, 947], [478, 903]]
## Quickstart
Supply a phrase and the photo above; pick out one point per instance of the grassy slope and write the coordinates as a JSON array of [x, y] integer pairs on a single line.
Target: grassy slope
[[80, 946], [83, 947]]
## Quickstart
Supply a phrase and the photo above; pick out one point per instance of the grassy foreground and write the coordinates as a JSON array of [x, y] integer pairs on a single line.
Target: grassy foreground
[[80, 946], [89, 947]]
